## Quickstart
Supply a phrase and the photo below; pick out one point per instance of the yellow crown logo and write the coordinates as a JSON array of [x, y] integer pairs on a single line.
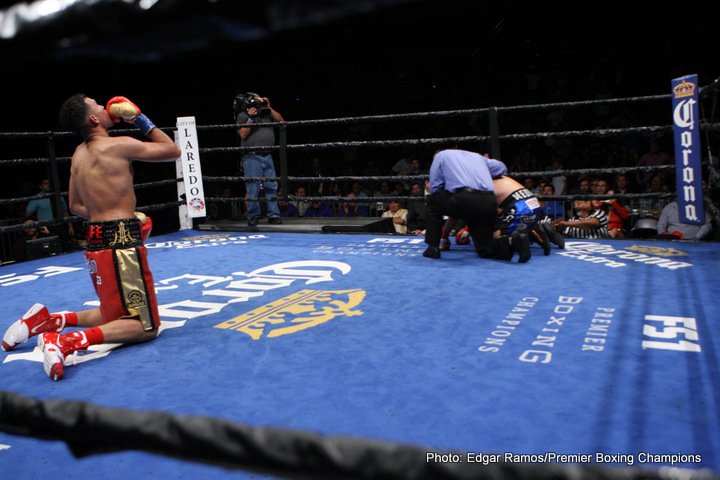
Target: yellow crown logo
[[299, 311], [659, 251], [684, 89]]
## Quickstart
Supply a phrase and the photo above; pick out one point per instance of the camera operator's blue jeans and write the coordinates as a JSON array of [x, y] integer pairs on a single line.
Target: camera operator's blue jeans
[[260, 166]]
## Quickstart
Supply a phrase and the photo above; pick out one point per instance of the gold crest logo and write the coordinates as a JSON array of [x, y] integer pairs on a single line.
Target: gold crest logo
[[658, 251], [684, 89], [299, 311], [122, 236], [135, 299]]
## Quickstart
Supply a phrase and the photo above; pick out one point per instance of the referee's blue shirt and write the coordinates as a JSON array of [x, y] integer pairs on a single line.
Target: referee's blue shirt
[[452, 170]]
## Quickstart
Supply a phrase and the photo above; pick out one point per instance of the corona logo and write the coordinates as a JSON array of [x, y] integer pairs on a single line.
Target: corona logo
[[658, 251], [122, 236], [299, 311], [684, 89]]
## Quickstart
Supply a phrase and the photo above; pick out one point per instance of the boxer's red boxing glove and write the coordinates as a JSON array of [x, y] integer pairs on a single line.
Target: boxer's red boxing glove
[[122, 108], [145, 225], [463, 236]]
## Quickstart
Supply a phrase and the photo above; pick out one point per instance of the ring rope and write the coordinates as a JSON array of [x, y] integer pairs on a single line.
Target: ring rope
[[447, 113], [435, 140], [75, 219], [591, 171], [8, 201], [398, 116], [604, 132], [315, 179], [89, 429], [410, 198], [713, 87], [18, 161], [404, 178], [705, 90], [369, 199]]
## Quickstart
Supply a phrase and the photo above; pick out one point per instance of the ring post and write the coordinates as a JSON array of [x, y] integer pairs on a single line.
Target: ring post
[[190, 190]]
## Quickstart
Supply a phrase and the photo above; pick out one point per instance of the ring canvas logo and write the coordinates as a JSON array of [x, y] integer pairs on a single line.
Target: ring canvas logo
[[202, 241], [296, 312], [609, 256], [549, 330], [293, 313], [657, 251]]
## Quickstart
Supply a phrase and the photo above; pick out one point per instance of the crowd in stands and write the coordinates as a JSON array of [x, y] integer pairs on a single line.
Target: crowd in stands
[[576, 216]]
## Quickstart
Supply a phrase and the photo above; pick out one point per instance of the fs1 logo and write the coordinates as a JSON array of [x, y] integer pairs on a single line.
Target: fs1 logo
[[671, 333]]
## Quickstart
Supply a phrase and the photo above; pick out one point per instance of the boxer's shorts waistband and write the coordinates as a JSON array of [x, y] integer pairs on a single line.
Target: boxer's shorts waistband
[[517, 195], [121, 233]]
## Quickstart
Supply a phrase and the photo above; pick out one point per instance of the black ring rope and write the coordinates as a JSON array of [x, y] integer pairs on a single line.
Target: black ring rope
[[159, 206], [447, 113], [139, 186], [398, 116], [713, 86], [158, 183], [369, 199], [591, 171], [317, 179], [8, 201], [21, 161], [75, 219], [404, 178], [35, 134], [363, 200], [89, 429], [597, 133], [401, 142], [410, 198]]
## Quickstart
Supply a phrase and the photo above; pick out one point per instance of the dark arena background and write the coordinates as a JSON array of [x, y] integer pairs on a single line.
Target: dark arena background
[[329, 347]]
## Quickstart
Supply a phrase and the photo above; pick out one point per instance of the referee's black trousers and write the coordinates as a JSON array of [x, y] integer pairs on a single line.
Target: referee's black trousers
[[478, 209]]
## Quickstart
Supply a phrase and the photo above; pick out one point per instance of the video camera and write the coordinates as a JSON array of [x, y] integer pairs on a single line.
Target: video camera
[[243, 101]]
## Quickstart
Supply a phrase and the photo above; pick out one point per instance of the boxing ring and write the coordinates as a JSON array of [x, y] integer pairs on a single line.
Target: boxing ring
[[349, 355]]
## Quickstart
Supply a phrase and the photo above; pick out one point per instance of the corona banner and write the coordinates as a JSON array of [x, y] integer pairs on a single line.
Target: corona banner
[[686, 132]]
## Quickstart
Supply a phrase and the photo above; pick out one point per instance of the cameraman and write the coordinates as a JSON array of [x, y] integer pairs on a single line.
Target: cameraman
[[259, 164]]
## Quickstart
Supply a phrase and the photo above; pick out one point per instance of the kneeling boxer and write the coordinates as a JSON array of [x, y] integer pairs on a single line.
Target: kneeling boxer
[[101, 190], [520, 210], [461, 187]]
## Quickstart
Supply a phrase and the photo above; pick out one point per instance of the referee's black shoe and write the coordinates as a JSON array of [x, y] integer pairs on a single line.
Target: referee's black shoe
[[432, 252]]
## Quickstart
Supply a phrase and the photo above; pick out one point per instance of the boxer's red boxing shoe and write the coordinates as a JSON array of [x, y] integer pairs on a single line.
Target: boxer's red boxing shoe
[[58, 349], [53, 355], [37, 320], [444, 245]]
